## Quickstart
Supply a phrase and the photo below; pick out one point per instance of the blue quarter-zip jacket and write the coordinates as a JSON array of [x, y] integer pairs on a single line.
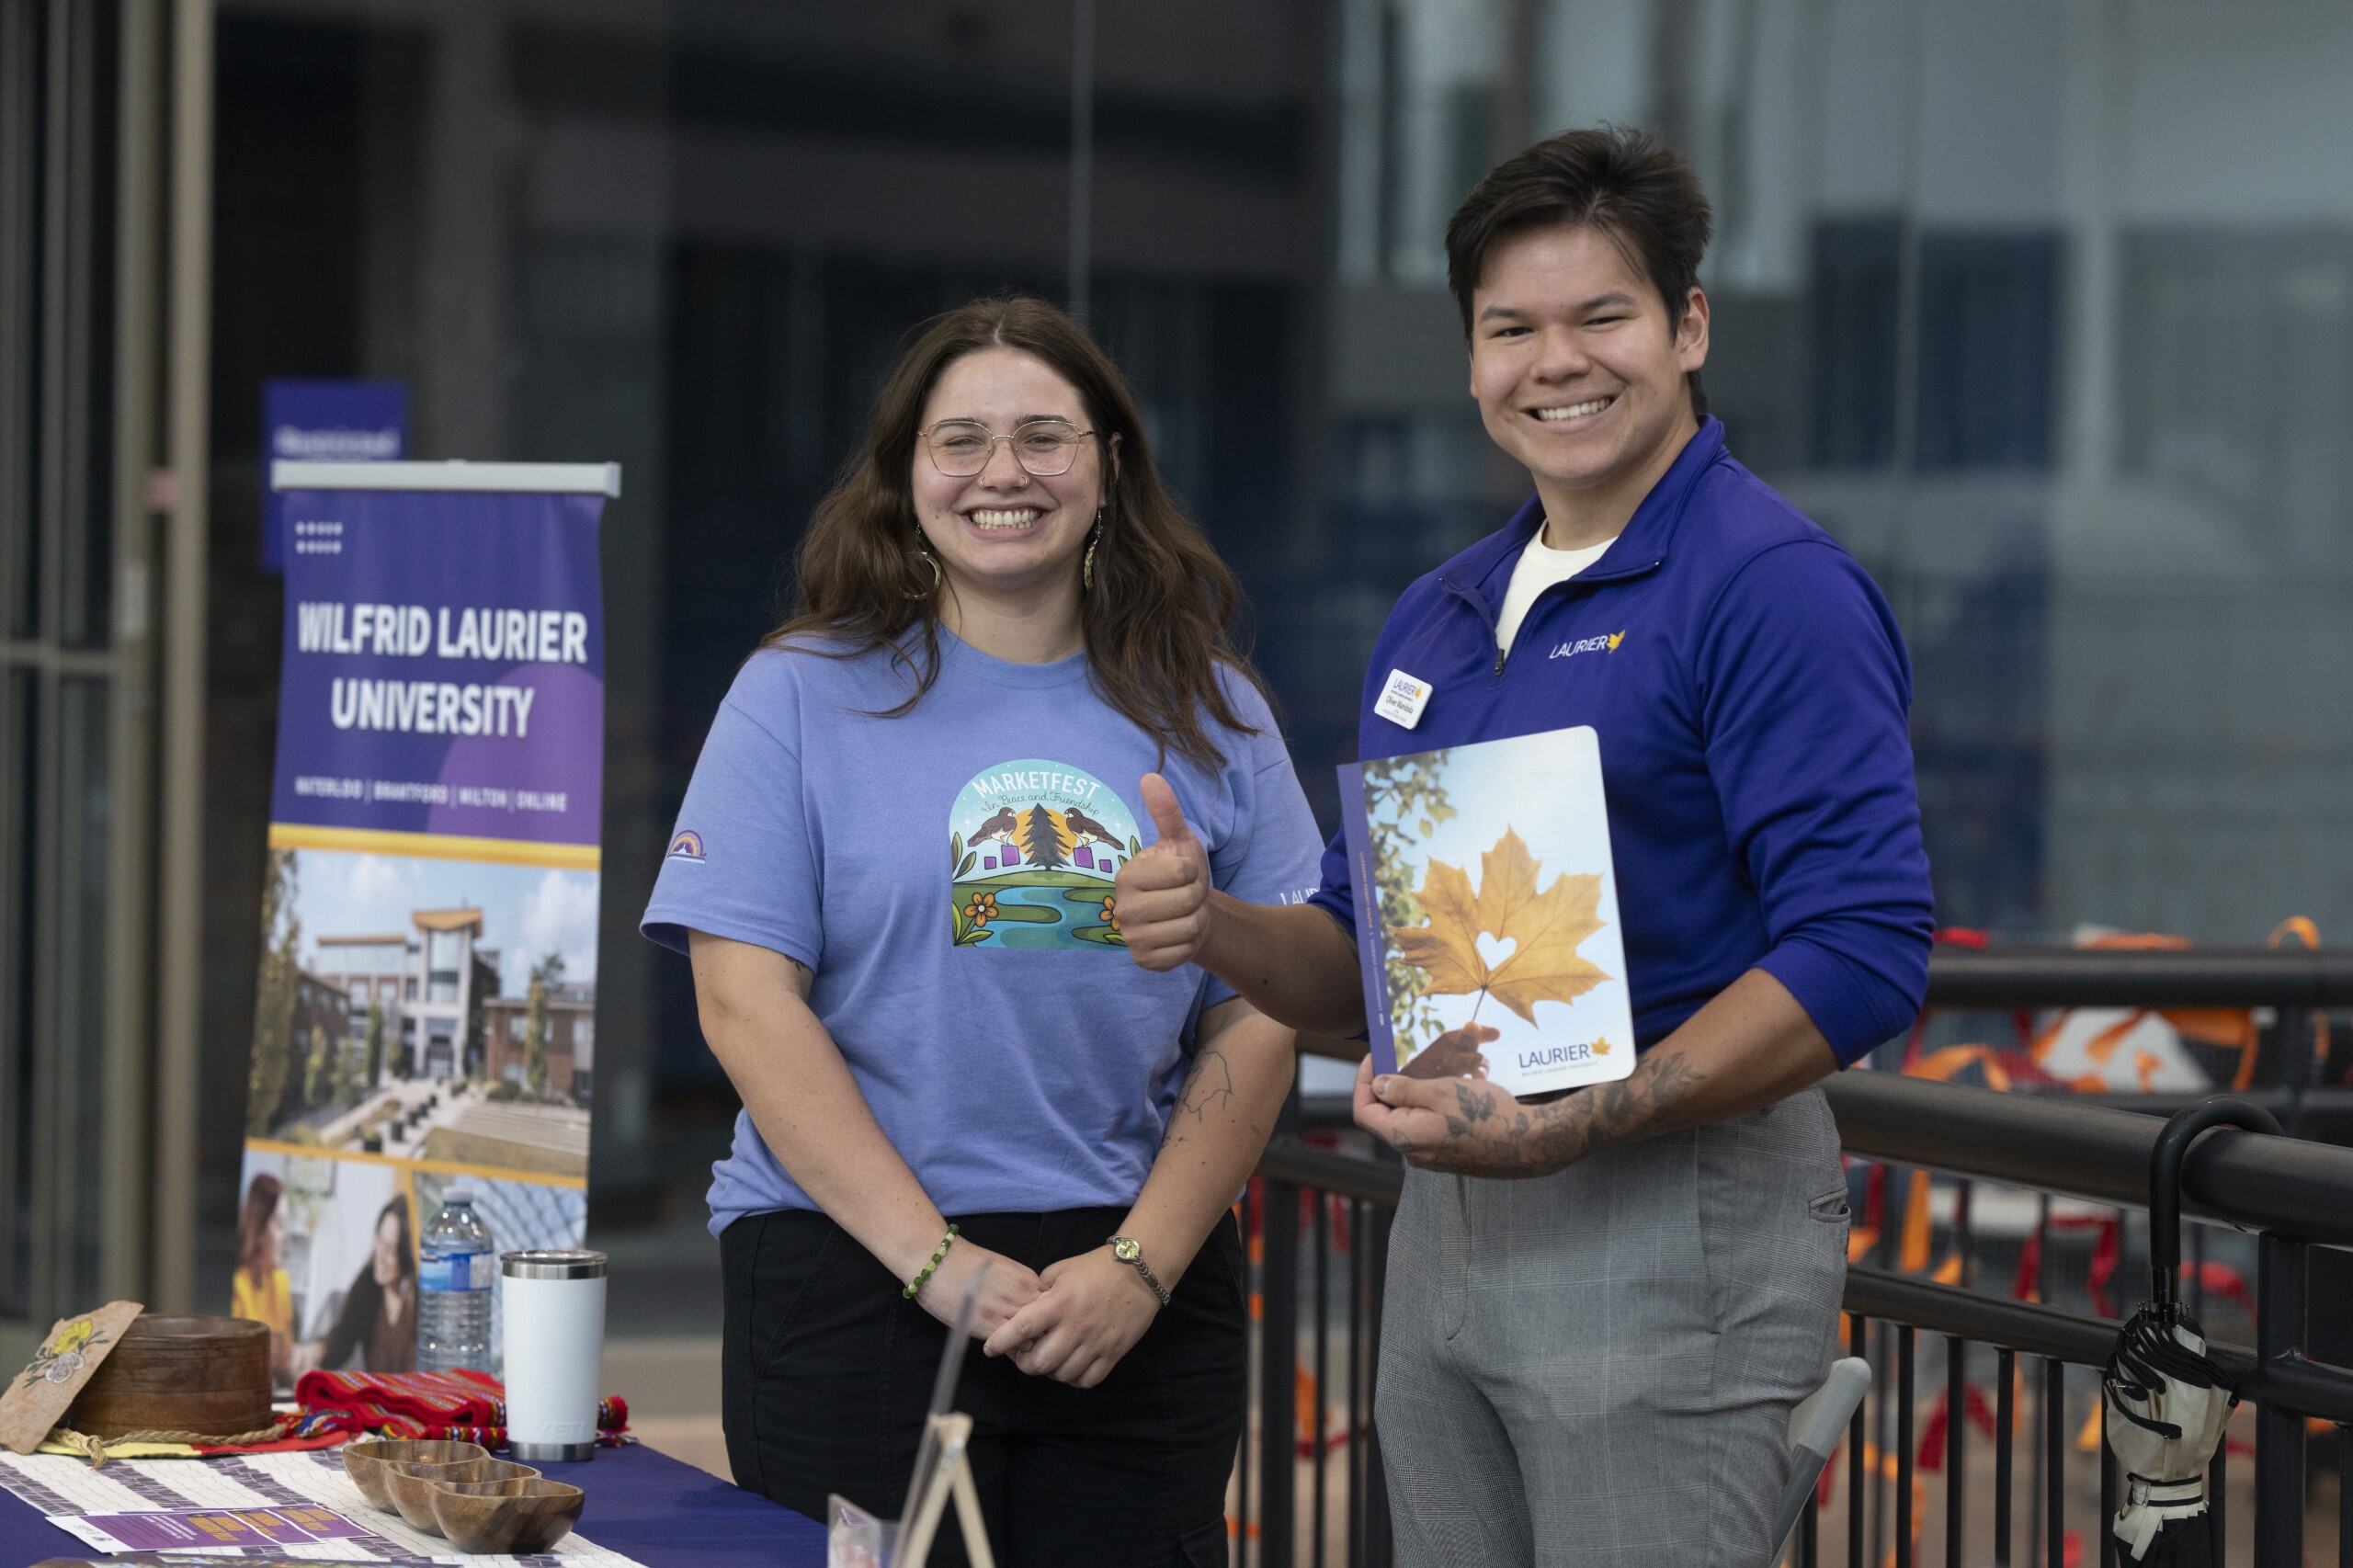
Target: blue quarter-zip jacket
[[1749, 686]]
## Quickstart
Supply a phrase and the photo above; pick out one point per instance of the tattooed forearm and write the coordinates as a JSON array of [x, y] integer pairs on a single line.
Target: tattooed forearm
[[1658, 1096], [1751, 1047], [1207, 1088], [1511, 1139]]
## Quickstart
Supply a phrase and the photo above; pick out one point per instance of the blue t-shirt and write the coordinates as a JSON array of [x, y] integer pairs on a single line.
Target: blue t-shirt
[[946, 876]]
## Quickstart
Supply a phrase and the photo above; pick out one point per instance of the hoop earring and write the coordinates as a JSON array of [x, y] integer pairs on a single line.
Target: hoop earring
[[1086, 567], [928, 559]]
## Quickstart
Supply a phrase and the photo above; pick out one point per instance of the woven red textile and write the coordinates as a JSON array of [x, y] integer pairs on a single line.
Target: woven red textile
[[466, 1405]]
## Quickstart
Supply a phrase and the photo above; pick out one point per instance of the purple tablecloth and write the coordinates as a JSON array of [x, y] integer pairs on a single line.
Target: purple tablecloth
[[664, 1513]]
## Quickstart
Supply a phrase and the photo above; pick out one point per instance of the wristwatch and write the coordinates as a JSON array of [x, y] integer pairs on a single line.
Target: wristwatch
[[1125, 1249]]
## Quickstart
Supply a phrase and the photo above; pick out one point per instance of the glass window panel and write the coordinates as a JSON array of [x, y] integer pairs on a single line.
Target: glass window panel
[[23, 234], [19, 716], [1989, 348], [1854, 303], [84, 718], [86, 550]]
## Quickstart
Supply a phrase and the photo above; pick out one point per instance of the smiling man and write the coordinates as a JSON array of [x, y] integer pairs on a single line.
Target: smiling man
[[1600, 1308]]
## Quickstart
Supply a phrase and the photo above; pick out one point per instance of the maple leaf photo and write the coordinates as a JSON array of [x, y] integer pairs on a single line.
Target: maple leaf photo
[[1545, 927]]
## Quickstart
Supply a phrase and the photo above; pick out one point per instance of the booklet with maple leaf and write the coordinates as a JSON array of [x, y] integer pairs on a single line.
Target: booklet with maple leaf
[[1488, 913]]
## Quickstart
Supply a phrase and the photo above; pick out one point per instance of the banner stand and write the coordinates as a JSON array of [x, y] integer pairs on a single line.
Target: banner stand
[[952, 1476], [490, 479], [425, 1021]]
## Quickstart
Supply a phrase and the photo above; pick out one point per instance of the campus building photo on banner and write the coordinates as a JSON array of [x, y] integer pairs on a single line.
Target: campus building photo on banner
[[426, 1010]]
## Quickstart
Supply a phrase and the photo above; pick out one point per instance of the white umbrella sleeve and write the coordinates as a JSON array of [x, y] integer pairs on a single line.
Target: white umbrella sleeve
[[2164, 1428]]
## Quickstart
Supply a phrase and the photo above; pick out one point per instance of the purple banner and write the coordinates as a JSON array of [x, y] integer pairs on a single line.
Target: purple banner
[[444, 665], [424, 1005]]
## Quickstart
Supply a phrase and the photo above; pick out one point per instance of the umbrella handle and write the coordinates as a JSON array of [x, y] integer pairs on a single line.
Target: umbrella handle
[[2165, 1157]]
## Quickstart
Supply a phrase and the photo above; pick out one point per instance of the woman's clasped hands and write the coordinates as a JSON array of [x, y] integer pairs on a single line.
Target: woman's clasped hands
[[1005, 1289], [1090, 1313]]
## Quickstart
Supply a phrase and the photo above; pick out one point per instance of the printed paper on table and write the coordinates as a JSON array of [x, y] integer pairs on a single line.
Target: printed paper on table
[[248, 1508]]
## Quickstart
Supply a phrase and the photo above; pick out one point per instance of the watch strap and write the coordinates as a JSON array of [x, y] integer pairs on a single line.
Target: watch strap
[[1127, 1251]]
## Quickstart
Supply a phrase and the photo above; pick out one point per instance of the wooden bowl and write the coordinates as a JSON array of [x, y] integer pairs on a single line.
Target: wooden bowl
[[517, 1518], [365, 1458], [412, 1484], [177, 1372]]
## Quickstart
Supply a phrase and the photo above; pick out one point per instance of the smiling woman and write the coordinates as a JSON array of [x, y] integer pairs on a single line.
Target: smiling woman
[[1009, 513], [885, 559], [955, 1085]]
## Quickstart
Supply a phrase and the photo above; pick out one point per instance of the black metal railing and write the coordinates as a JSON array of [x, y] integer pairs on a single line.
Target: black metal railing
[[2294, 1194], [2290, 986], [1309, 1490], [1348, 1512]]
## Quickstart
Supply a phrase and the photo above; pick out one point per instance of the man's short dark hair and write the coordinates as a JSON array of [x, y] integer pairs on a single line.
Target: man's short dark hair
[[1625, 182]]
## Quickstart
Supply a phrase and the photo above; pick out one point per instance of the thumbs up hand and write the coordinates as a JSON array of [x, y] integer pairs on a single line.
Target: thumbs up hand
[[1163, 894]]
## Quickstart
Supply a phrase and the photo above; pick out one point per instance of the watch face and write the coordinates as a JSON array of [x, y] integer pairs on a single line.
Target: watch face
[[1125, 1250]]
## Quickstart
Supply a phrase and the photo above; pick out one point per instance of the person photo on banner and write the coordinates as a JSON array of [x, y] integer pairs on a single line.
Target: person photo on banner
[[259, 1289], [1600, 1308], [894, 872], [377, 1321]]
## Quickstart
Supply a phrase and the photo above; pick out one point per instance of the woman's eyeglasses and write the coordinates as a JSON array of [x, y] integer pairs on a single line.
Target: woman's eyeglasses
[[1044, 448]]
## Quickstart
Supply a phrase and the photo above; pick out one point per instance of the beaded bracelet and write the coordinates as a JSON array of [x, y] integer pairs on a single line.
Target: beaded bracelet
[[945, 1243]]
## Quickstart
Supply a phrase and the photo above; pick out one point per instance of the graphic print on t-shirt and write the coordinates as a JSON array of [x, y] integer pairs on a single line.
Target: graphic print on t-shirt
[[1032, 847]]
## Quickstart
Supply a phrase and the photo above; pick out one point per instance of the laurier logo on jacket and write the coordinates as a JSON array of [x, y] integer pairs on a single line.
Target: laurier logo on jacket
[[1603, 644]]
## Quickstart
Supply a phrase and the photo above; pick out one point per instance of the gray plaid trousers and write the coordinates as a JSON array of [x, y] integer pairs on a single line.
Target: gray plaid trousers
[[1594, 1370]]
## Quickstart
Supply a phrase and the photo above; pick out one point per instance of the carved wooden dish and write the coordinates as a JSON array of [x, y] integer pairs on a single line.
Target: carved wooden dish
[[412, 1484], [177, 1372], [365, 1459], [517, 1518]]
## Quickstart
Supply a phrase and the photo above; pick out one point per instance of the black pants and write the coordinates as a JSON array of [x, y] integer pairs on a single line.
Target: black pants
[[829, 1371]]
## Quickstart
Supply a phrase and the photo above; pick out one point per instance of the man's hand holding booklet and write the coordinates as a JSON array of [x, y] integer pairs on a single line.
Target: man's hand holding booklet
[[1487, 914]]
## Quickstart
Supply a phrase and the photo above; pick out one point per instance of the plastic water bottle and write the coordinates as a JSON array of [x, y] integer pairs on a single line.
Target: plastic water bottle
[[456, 1266]]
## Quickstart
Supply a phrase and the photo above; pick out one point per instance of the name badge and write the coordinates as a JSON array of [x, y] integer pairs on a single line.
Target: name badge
[[1403, 697]]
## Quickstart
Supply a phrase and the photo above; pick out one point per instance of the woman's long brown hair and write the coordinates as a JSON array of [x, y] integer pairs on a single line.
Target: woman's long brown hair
[[253, 1225], [1155, 622]]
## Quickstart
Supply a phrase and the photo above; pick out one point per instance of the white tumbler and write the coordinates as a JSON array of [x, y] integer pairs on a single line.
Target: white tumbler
[[554, 1307]]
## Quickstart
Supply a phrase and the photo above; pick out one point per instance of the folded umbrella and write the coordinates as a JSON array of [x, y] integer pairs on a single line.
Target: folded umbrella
[[2167, 1405], [2167, 1402]]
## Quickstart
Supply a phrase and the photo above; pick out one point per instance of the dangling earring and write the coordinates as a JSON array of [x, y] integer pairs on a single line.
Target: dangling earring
[[1086, 567], [924, 554]]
